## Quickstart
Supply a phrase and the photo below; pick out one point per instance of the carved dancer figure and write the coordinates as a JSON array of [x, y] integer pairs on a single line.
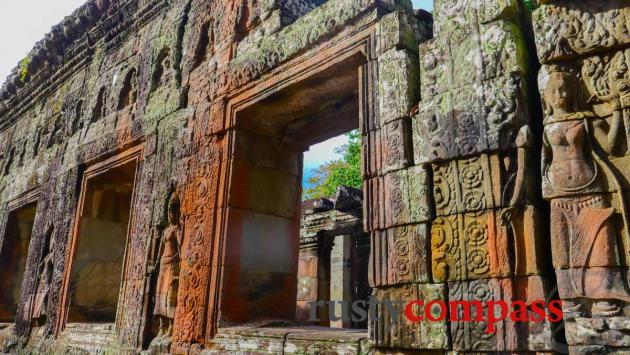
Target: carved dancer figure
[[46, 271], [583, 231], [169, 267]]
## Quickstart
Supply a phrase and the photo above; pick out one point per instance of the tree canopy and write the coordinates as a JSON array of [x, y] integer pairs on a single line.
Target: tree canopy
[[345, 171]]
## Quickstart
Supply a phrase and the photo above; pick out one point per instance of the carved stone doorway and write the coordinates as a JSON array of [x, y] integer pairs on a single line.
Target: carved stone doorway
[[263, 216], [95, 278], [13, 255], [333, 263]]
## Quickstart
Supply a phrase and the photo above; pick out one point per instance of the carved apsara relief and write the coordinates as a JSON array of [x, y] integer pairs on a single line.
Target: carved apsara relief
[[167, 269], [584, 230]]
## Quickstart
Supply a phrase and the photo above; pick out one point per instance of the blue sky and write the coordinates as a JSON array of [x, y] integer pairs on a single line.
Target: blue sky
[[423, 4]]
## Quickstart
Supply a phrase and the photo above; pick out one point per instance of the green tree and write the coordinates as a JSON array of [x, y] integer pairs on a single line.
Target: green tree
[[345, 171]]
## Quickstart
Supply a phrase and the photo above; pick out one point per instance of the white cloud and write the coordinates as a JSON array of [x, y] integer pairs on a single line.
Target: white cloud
[[323, 152], [23, 23]]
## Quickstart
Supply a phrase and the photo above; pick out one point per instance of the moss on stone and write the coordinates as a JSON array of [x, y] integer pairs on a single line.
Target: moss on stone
[[24, 68]]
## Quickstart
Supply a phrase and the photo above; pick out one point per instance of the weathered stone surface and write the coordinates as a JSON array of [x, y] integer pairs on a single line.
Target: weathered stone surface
[[144, 82], [397, 84], [402, 31], [405, 192], [474, 78], [386, 331], [469, 246], [269, 17], [288, 340], [396, 145], [607, 332], [471, 119], [348, 199], [567, 30], [469, 185], [584, 91], [407, 196], [510, 335], [400, 256], [320, 205]]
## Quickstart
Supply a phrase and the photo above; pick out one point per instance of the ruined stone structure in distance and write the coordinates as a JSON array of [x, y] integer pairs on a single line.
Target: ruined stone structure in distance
[[151, 165]]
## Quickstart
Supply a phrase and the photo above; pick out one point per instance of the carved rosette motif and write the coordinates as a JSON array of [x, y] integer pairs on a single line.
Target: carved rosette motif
[[399, 256], [387, 331], [475, 77]]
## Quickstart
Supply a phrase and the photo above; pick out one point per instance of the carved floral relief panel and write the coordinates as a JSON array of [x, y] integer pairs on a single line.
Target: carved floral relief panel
[[468, 120], [400, 255], [468, 185], [508, 335], [569, 29], [407, 196], [387, 331], [473, 77], [397, 84], [471, 245]]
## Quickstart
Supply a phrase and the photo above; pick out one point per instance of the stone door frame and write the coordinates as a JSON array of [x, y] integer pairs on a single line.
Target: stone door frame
[[134, 154], [27, 198], [330, 53]]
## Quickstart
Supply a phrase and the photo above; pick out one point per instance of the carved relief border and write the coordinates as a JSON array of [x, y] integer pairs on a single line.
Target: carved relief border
[[32, 196]]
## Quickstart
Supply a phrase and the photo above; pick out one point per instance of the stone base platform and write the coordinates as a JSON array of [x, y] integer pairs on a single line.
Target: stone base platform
[[289, 340], [7, 339], [79, 338]]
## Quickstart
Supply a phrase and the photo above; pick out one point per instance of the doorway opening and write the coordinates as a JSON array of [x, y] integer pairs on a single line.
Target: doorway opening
[[100, 244], [265, 191], [333, 261], [13, 255]]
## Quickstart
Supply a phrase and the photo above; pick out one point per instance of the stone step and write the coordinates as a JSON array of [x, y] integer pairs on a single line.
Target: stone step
[[288, 340], [90, 338]]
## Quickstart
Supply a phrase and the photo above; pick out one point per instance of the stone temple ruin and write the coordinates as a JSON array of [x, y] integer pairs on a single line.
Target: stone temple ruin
[[151, 164], [333, 260]]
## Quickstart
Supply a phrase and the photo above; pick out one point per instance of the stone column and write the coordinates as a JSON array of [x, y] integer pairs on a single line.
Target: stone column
[[454, 217], [397, 211], [313, 279], [341, 280]]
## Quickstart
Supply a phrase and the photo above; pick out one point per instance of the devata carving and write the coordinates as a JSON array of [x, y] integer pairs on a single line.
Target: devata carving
[[583, 230], [168, 267], [44, 282]]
